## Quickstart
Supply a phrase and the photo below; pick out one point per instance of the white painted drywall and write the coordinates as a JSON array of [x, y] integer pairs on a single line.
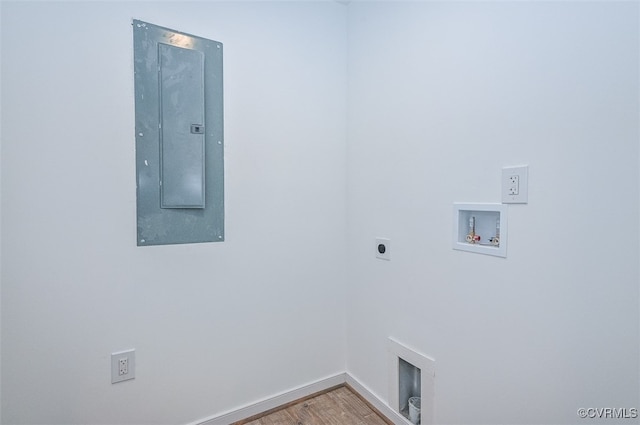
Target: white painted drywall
[[442, 95], [215, 326]]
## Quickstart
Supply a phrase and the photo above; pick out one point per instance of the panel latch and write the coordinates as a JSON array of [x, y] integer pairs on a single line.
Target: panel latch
[[197, 129]]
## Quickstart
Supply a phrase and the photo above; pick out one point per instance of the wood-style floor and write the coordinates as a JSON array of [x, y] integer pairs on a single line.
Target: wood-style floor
[[340, 406]]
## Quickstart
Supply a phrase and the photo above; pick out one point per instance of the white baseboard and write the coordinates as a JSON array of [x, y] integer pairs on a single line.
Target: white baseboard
[[376, 401], [269, 403]]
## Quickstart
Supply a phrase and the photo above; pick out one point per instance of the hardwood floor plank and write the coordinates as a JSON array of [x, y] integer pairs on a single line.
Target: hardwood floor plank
[[346, 400], [338, 406], [351, 402], [319, 410], [281, 417]]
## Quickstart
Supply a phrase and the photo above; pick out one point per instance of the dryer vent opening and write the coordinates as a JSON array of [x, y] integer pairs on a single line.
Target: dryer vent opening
[[409, 386]]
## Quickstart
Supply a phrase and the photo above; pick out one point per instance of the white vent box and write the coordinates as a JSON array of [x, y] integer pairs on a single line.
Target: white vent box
[[480, 228], [411, 376]]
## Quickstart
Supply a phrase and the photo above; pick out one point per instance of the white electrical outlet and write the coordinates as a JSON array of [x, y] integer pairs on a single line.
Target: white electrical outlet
[[513, 188], [515, 181], [123, 366]]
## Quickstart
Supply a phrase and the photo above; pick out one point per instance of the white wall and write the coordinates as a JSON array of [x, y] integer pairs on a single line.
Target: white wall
[[215, 326], [442, 95]]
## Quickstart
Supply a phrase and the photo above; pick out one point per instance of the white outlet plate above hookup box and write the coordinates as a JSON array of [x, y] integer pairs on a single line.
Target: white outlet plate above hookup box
[[515, 185], [123, 366], [480, 228]]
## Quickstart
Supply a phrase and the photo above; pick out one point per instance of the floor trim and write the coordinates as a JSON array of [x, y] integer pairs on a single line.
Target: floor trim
[[274, 403], [375, 401], [287, 405], [373, 408]]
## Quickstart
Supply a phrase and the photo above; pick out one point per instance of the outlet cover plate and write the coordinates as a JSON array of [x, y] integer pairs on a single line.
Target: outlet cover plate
[[130, 355], [521, 195], [383, 249]]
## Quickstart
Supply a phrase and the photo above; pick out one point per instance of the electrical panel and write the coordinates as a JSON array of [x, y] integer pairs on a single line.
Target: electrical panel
[[179, 136]]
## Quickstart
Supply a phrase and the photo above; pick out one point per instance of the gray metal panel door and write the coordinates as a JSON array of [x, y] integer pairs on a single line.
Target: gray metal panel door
[[179, 136], [182, 127]]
